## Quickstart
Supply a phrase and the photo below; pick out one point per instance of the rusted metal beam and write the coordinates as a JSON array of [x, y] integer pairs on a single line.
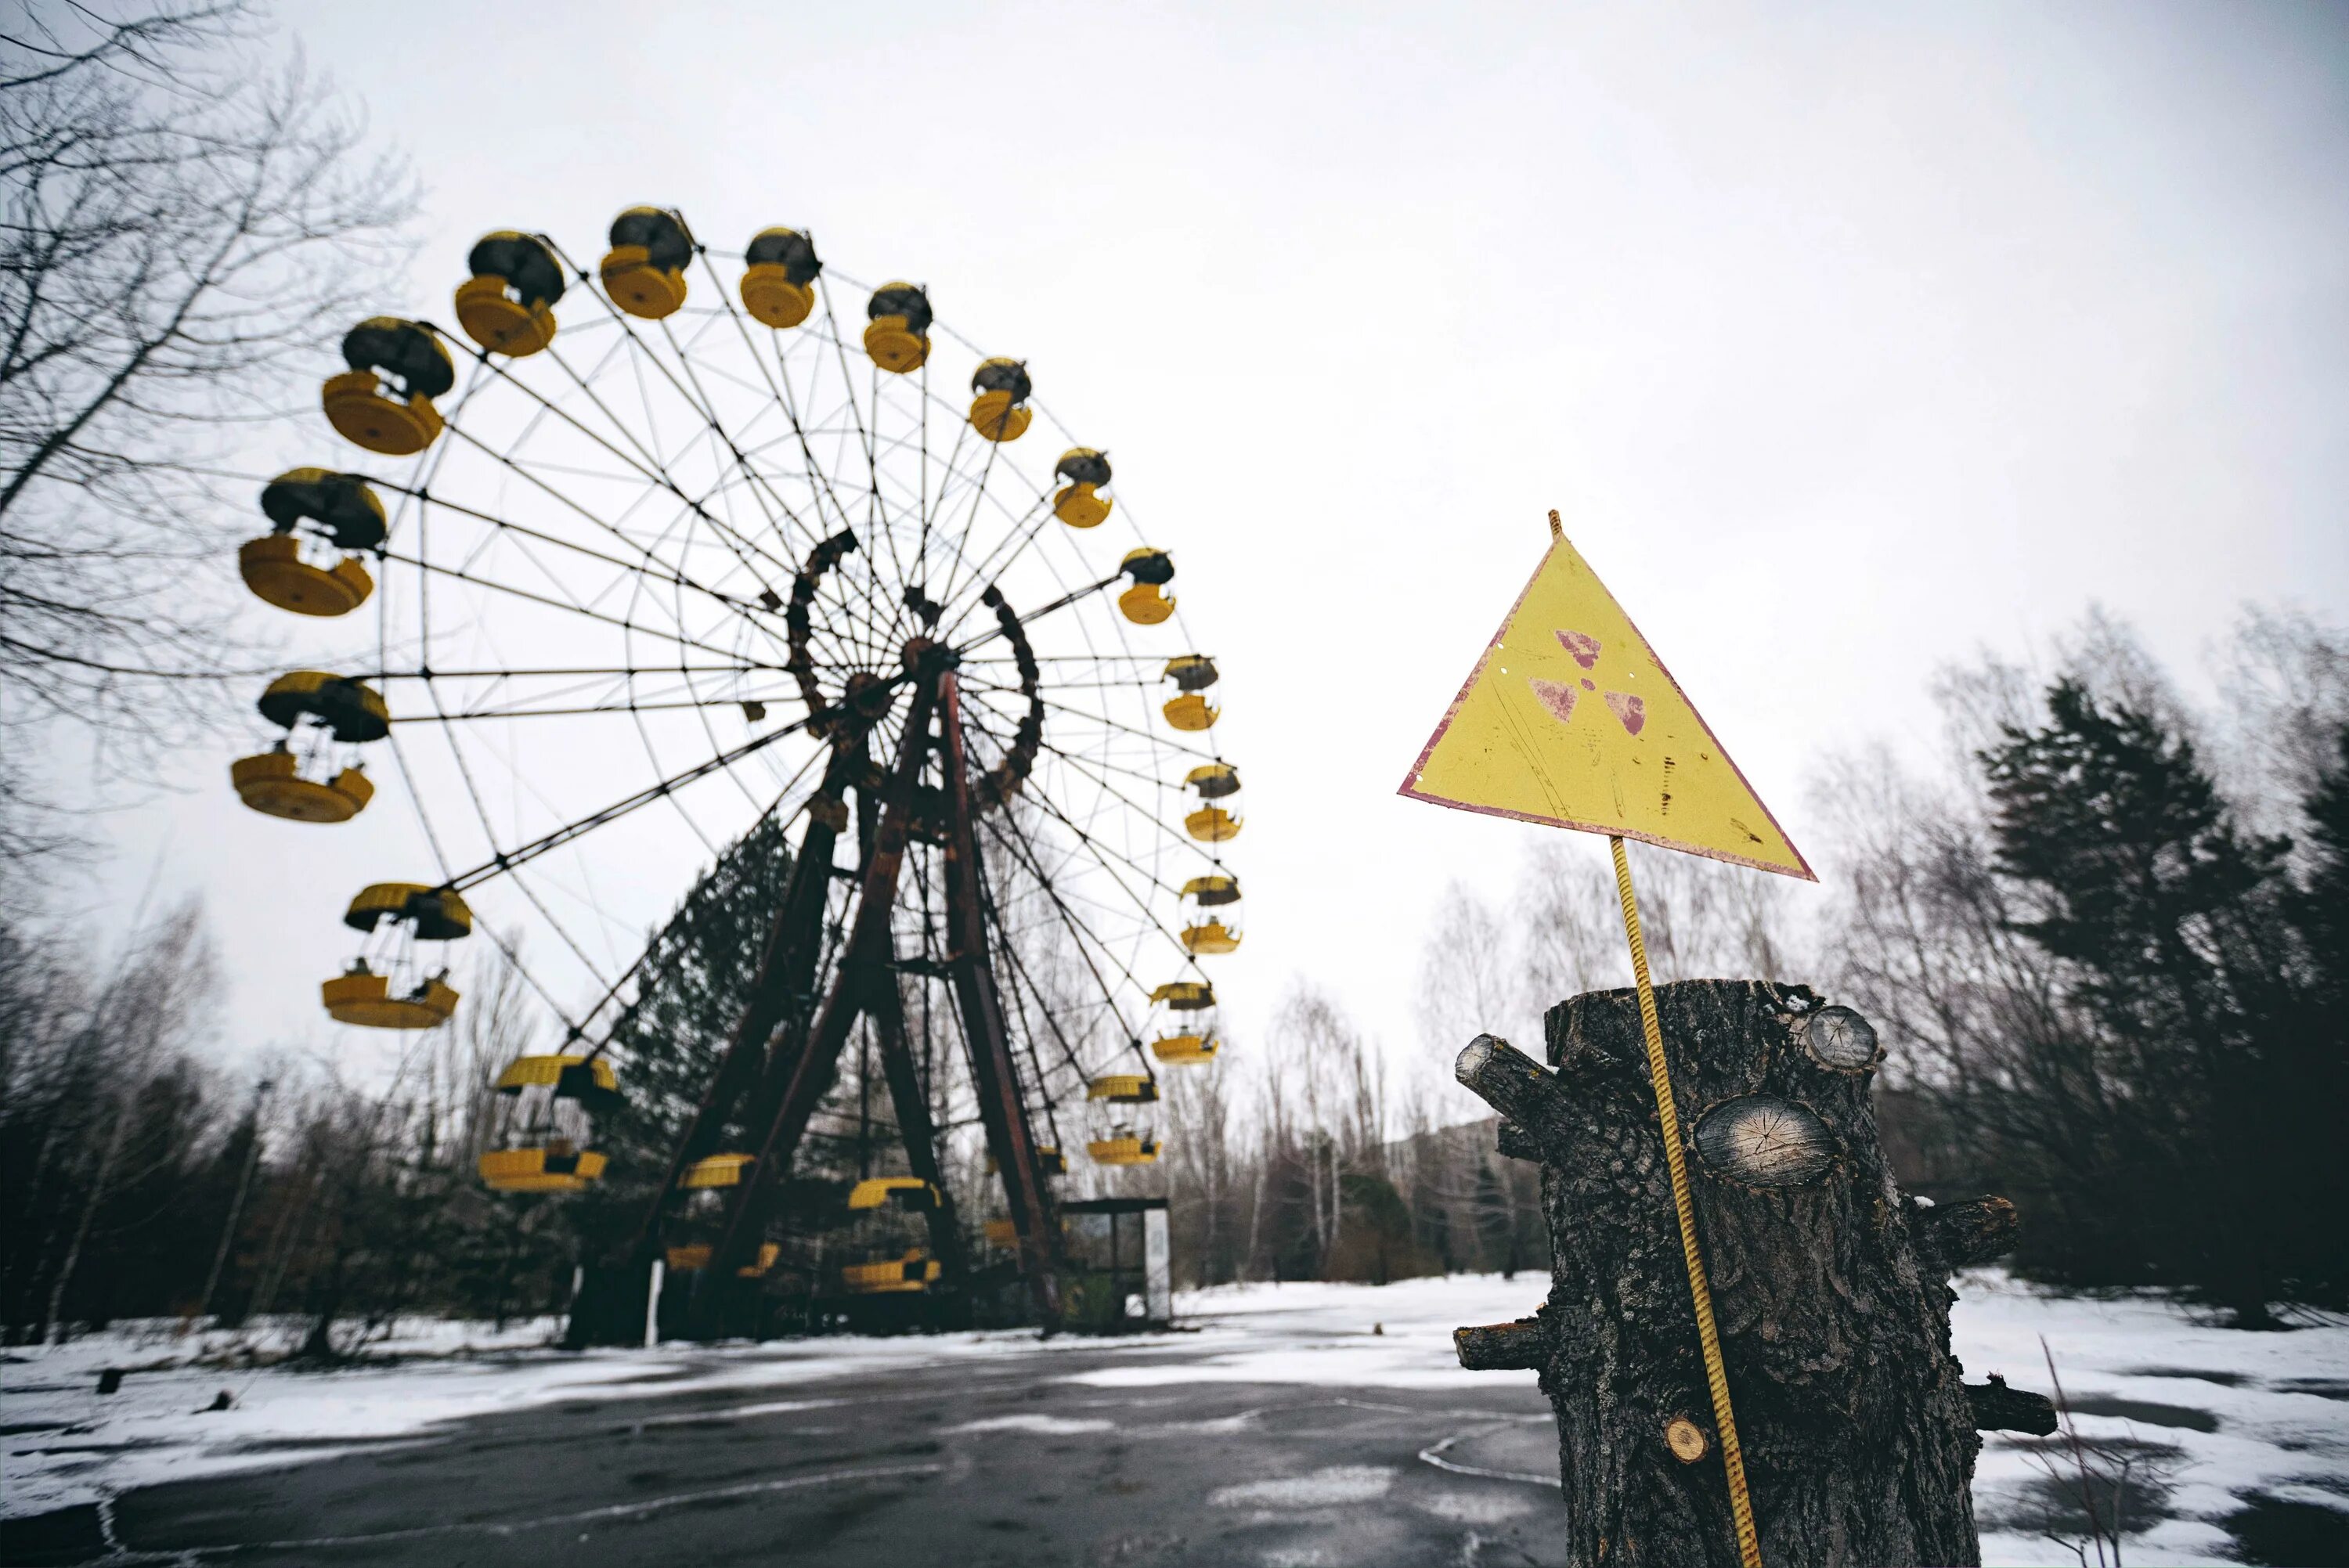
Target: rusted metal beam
[[796, 1080], [886, 1009], [1002, 1108]]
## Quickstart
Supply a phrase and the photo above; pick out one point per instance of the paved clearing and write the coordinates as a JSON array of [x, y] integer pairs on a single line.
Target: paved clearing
[[1293, 1425], [994, 1463]]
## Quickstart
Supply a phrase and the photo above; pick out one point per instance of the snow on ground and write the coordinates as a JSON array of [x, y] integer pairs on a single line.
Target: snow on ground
[[2213, 1417]]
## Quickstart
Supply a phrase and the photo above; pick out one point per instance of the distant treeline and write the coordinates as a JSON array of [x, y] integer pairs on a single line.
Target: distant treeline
[[2106, 944]]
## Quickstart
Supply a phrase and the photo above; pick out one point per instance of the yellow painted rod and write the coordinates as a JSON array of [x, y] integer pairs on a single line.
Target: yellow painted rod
[[1716, 1378]]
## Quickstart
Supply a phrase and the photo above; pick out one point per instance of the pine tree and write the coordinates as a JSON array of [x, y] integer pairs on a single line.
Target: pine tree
[[2321, 907], [2168, 918], [696, 983]]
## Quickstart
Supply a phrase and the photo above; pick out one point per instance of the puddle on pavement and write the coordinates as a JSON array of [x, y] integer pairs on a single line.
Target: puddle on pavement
[[2284, 1534]]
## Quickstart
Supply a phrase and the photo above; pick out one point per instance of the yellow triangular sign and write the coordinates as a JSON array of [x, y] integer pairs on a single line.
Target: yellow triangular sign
[[1571, 718]]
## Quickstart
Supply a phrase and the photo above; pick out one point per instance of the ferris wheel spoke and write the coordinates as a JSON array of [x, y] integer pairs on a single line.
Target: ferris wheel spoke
[[568, 671], [497, 938], [882, 522], [1030, 617], [954, 459], [489, 833], [694, 396], [1158, 742], [1010, 836], [493, 585], [571, 832], [1181, 842], [1020, 978], [848, 381], [585, 711], [737, 458], [987, 570], [650, 564], [568, 503], [1133, 682], [780, 386], [649, 466], [1107, 862], [1111, 861]]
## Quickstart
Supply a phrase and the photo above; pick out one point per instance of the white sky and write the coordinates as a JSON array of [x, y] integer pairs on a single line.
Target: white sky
[[1848, 339]]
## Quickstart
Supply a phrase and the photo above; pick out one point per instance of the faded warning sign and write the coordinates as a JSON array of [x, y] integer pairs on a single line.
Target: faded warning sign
[[1571, 718]]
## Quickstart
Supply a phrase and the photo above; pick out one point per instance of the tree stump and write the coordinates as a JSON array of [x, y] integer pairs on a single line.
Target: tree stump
[[1829, 1285]]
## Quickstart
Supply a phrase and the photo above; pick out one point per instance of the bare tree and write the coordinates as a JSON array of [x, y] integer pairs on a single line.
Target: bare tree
[[187, 232]]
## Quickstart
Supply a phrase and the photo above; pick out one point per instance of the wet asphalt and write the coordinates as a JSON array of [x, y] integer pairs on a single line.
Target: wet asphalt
[[1003, 1461]]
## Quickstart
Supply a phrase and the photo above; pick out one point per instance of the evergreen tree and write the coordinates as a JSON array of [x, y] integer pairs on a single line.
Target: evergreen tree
[[2321, 907], [696, 981], [2176, 1049]]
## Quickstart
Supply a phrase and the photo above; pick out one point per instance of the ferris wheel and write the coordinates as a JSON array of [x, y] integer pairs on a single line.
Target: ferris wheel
[[688, 542]]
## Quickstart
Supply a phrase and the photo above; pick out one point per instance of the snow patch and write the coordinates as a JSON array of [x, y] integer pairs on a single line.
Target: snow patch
[[1320, 1489], [1050, 1426], [1477, 1507]]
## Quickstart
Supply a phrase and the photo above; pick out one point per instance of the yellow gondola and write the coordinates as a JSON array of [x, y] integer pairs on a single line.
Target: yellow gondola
[[1121, 1139], [385, 987], [1218, 818], [1124, 1088], [909, 1192], [1183, 1016], [313, 773], [915, 1271], [1184, 995], [1151, 570], [643, 272], [1001, 411], [588, 1079], [1189, 709], [695, 1255], [1186, 1051], [1079, 503], [507, 306], [547, 1104], [717, 1170], [311, 512], [555, 1166], [384, 401], [777, 285], [898, 336], [1212, 922]]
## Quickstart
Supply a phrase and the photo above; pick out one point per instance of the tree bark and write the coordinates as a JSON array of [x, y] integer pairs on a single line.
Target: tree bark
[[1829, 1286]]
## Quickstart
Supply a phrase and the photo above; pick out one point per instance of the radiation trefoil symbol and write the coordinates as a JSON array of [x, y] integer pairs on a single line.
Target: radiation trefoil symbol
[[1630, 709]]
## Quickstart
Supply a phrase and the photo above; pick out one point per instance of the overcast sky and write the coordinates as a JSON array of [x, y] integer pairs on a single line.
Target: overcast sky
[[1848, 339]]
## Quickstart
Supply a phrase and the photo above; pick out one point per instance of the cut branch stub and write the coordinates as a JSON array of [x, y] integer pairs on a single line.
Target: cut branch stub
[[1999, 1409], [1840, 1039], [1519, 1347], [1761, 1140], [1505, 1078], [1953, 1236]]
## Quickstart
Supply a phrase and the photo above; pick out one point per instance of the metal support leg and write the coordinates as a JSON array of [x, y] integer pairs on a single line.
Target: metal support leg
[[1002, 1108], [795, 1086]]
